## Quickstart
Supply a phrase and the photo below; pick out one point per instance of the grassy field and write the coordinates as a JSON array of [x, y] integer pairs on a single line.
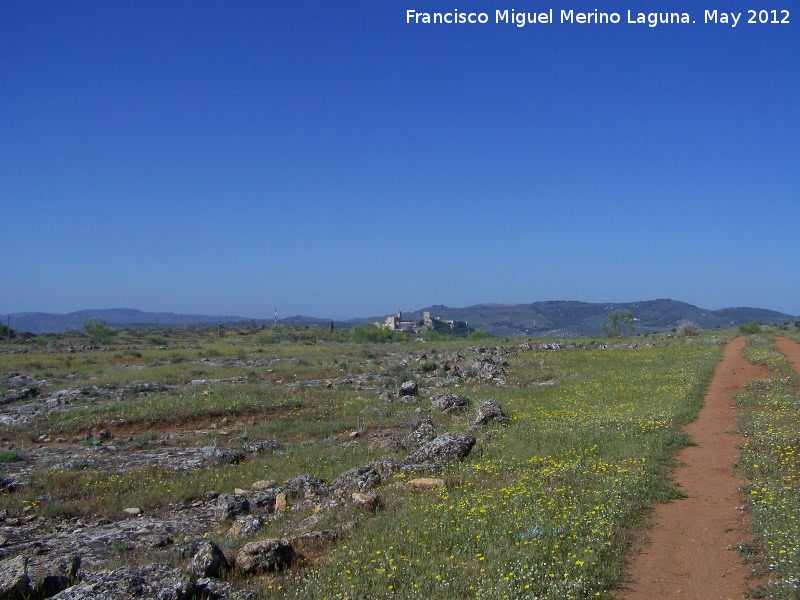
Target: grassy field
[[770, 461], [545, 507]]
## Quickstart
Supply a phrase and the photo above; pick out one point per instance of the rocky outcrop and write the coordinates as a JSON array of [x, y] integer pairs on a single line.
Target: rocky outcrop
[[268, 556], [158, 581], [208, 560], [491, 411], [444, 449], [447, 402], [14, 578]]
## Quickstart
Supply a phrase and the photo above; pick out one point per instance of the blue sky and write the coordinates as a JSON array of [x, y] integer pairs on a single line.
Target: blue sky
[[329, 159]]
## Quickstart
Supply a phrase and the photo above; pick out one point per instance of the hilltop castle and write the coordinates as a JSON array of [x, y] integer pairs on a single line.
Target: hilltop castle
[[396, 323]]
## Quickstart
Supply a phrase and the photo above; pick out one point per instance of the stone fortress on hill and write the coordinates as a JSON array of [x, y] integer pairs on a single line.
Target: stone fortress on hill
[[396, 323]]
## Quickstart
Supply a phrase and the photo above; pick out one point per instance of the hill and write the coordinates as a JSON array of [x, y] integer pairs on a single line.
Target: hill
[[539, 319], [576, 319]]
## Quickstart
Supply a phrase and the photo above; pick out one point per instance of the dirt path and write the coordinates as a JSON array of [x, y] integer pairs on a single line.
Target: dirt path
[[692, 553]]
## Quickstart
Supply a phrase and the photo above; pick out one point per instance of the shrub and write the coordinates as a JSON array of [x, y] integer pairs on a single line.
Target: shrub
[[687, 328], [376, 335], [6, 332], [749, 328], [479, 335], [98, 331]]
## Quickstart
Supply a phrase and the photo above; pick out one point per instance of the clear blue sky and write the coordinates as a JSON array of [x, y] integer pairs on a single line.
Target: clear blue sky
[[329, 159]]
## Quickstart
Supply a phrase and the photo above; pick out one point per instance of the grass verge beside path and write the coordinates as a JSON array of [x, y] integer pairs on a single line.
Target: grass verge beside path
[[544, 508], [770, 462]]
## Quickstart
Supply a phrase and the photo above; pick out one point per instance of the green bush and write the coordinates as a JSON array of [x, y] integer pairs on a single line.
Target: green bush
[[479, 335], [98, 331], [749, 328], [376, 335]]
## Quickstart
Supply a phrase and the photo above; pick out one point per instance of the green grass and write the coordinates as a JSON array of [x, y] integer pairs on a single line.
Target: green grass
[[770, 462], [543, 508]]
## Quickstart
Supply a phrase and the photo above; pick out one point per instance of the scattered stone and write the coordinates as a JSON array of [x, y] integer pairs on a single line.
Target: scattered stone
[[312, 541], [425, 483], [261, 446], [263, 484], [133, 511], [268, 556], [360, 479], [448, 402], [353, 435], [444, 449], [55, 573], [367, 501], [209, 588], [14, 580], [228, 456], [409, 388], [208, 561], [246, 526], [421, 435], [490, 410], [149, 581], [230, 506]]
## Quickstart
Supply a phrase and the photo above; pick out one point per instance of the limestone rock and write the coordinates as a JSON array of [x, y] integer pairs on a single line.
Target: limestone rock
[[263, 484], [448, 402], [425, 483], [409, 388], [367, 501], [230, 506], [157, 581], [444, 449], [245, 526], [14, 580], [268, 556], [490, 410], [208, 561]]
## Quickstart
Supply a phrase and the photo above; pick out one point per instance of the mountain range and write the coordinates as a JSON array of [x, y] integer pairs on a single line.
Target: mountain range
[[539, 319]]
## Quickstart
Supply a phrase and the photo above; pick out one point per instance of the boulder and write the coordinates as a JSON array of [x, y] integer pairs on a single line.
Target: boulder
[[157, 581], [208, 560], [14, 580], [230, 506], [268, 556], [489, 411], [261, 446], [424, 433], [54, 573], [448, 402], [244, 526], [409, 388], [228, 456], [444, 449]]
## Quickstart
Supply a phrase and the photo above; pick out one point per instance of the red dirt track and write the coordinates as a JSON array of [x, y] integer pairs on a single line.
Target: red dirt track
[[692, 551]]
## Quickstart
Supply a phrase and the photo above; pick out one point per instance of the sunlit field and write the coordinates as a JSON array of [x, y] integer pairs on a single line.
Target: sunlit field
[[547, 506]]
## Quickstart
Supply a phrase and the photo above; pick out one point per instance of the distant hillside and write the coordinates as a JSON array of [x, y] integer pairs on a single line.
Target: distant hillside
[[568, 318], [36, 322], [540, 319]]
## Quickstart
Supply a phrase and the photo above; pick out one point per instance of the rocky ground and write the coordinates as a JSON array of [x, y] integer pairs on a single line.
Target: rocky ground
[[42, 556]]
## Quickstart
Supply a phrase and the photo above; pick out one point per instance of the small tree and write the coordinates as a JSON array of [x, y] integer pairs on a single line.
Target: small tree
[[98, 331], [619, 323], [687, 328]]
